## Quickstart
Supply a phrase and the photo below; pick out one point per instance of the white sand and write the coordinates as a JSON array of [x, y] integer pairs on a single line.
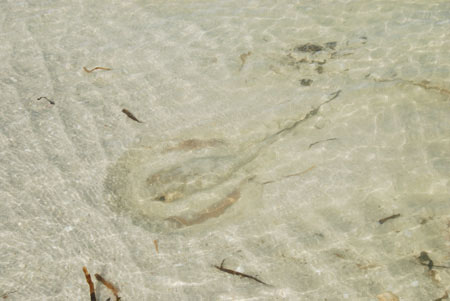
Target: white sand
[[75, 175]]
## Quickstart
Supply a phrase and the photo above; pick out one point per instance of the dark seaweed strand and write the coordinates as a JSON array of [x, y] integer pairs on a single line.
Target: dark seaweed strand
[[236, 273], [330, 139], [50, 101], [383, 220]]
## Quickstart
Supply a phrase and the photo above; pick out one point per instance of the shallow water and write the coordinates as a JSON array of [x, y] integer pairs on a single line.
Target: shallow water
[[241, 155]]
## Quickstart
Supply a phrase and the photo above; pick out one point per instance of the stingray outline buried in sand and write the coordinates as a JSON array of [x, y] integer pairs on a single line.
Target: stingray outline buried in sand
[[152, 181]]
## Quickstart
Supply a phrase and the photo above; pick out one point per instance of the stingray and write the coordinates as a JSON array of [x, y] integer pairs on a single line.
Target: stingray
[[180, 185]]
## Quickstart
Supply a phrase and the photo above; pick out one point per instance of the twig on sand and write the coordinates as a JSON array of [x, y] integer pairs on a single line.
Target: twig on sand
[[96, 68], [109, 285], [91, 284], [232, 272]]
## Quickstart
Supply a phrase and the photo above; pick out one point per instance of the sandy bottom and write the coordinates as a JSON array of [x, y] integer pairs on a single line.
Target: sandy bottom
[[192, 150]]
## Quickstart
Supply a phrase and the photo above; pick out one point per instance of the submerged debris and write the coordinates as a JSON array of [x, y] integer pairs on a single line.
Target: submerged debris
[[291, 175], [155, 242], [232, 272], [424, 259], [96, 68], [425, 84], [49, 100], [243, 59], [106, 283], [383, 220], [314, 143], [109, 285], [90, 283]]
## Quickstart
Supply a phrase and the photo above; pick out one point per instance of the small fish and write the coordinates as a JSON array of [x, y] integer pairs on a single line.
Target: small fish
[[130, 115]]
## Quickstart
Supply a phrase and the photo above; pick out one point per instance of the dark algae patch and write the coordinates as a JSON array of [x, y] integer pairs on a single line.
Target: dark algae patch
[[331, 45], [425, 259], [319, 69], [312, 48], [306, 82]]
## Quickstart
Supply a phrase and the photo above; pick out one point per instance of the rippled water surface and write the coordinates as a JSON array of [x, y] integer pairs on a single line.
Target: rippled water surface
[[305, 144]]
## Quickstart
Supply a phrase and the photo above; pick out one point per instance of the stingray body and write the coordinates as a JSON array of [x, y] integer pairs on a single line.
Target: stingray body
[[166, 182], [194, 175], [186, 186]]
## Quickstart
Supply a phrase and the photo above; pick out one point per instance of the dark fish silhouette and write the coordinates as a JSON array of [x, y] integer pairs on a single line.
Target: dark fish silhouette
[[130, 115]]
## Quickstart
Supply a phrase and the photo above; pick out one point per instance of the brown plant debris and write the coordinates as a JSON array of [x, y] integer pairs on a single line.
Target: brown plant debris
[[109, 285], [383, 220], [49, 100], [426, 85], [236, 273], [244, 57], [96, 68], [130, 115], [423, 84], [90, 283], [330, 139], [155, 242]]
